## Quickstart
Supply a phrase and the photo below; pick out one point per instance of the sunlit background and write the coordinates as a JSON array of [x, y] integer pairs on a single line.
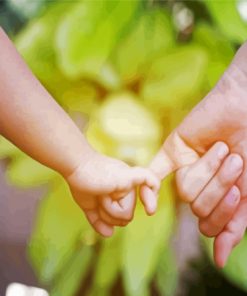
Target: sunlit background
[[127, 72]]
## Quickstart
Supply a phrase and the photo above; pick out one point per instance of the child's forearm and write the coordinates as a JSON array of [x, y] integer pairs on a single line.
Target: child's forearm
[[32, 120]]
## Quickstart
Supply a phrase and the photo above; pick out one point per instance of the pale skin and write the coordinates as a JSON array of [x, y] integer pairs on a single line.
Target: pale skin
[[221, 116], [33, 121], [209, 185], [215, 184], [104, 187]]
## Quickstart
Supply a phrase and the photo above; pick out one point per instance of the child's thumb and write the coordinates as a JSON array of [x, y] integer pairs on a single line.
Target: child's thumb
[[174, 154]]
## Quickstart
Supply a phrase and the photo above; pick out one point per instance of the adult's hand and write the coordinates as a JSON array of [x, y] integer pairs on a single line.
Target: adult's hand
[[220, 116]]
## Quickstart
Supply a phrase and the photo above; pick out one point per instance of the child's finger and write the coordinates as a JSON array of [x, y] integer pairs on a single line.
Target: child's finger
[[85, 202], [216, 221], [231, 235], [148, 199], [218, 186], [110, 220], [192, 179], [139, 176], [120, 209], [99, 226]]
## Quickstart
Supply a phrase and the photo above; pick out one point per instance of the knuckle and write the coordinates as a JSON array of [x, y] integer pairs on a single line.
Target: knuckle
[[205, 229], [233, 226], [129, 216], [208, 228], [125, 214], [184, 186], [123, 223], [224, 179], [120, 223], [105, 217], [212, 165], [184, 192], [199, 210]]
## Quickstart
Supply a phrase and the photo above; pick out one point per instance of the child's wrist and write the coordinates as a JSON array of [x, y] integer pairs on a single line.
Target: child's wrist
[[79, 160]]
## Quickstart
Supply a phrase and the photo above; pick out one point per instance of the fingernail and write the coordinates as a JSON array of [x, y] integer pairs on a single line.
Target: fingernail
[[222, 150], [236, 161], [232, 196]]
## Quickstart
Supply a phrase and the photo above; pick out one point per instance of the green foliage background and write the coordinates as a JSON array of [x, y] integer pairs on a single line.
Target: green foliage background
[[127, 72]]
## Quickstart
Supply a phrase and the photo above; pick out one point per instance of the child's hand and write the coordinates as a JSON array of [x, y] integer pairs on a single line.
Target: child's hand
[[105, 189], [209, 186]]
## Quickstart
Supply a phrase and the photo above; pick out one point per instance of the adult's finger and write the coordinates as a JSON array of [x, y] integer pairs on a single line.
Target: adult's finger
[[231, 235], [174, 154], [218, 186], [191, 180], [217, 220], [99, 226]]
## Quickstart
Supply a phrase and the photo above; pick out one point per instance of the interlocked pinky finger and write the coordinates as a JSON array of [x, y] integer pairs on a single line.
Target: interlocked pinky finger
[[148, 199], [141, 176], [99, 226]]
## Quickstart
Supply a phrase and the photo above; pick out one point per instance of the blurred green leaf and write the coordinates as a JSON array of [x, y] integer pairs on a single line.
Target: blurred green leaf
[[236, 268], [220, 50], [36, 42], [59, 226], [152, 33], [73, 273], [26, 8], [23, 171], [144, 240], [81, 51], [172, 81], [108, 77], [167, 273], [80, 96], [122, 127], [88, 33], [108, 265], [227, 17], [7, 149], [26, 172]]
